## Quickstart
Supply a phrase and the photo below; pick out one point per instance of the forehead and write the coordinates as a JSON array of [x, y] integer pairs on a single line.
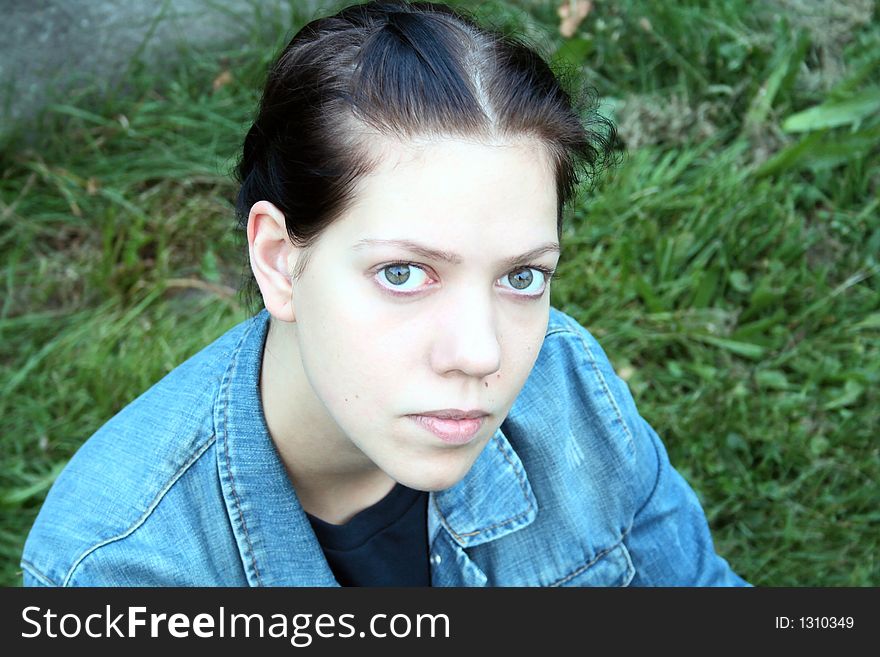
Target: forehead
[[455, 184]]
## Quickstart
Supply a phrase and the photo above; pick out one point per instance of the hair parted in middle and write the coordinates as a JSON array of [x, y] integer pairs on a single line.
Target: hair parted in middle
[[413, 72]]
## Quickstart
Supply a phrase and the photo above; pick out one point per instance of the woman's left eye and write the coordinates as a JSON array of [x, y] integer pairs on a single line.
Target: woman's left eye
[[406, 278], [524, 280]]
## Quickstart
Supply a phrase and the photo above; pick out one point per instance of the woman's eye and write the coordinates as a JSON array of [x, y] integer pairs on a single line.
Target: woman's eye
[[401, 277], [527, 281]]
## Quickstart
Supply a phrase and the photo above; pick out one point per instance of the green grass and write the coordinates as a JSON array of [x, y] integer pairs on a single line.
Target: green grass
[[729, 266]]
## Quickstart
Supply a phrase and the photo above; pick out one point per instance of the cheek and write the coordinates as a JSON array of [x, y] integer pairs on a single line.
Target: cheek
[[354, 357], [522, 344]]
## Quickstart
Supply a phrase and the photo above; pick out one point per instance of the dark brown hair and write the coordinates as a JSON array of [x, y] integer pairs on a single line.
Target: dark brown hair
[[403, 70]]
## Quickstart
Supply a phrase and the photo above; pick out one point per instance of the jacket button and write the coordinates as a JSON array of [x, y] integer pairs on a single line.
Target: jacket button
[[437, 559]]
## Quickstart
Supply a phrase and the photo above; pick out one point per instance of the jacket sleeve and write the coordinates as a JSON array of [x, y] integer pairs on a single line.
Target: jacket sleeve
[[669, 542]]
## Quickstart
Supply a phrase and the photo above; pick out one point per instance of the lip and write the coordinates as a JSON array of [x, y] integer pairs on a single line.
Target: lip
[[451, 431], [454, 414]]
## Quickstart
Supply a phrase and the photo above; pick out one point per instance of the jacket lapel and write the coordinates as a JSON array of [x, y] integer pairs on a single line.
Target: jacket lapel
[[493, 500]]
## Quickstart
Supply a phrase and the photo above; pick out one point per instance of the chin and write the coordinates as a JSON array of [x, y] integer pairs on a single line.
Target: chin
[[433, 476]]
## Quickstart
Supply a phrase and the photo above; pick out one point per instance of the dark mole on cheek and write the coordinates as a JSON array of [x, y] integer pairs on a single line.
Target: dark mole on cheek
[[487, 383]]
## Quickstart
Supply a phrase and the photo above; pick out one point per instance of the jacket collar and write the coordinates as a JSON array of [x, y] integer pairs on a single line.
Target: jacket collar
[[274, 537], [492, 500]]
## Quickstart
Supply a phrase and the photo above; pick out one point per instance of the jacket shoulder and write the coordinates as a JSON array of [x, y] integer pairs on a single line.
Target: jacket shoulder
[[572, 361], [118, 477], [581, 414]]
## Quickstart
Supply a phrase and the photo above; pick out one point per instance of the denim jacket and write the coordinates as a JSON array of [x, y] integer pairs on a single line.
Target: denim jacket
[[184, 487]]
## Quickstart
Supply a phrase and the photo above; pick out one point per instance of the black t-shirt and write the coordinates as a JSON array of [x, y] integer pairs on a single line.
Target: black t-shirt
[[383, 545]]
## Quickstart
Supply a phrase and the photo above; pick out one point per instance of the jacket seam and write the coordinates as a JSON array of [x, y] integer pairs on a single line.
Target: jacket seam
[[238, 508], [599, 556], [607, 390], [656, 478], [225, 394], [523, 487], [561, 329], [149, 511], [36, 573]]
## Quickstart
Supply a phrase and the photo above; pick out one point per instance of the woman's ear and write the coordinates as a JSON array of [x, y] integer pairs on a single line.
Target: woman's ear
[[272, 255]]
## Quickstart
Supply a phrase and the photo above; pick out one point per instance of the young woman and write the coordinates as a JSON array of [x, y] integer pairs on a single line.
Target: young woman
[[407, 409]]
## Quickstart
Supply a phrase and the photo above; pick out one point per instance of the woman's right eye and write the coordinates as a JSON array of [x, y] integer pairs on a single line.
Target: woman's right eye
[[401, 277]]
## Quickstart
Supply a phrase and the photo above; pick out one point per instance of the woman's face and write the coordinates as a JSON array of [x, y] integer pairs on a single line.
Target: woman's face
[[387, 330]]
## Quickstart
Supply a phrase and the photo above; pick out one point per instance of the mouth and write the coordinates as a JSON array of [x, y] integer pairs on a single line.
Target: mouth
[[455, 414], [449, 430]]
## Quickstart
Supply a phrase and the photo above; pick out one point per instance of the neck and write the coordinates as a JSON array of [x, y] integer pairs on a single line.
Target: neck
[[333, 479]]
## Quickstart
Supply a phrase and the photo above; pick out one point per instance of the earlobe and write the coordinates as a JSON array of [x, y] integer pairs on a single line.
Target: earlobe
[[271, 254]]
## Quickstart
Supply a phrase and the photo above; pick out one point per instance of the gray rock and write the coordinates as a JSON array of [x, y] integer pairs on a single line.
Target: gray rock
[[50, 48]]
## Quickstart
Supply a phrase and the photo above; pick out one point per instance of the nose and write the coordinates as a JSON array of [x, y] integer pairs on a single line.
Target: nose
[[467, 339]]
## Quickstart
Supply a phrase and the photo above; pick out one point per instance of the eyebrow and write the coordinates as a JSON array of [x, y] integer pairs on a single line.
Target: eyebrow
[[453, 258]]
